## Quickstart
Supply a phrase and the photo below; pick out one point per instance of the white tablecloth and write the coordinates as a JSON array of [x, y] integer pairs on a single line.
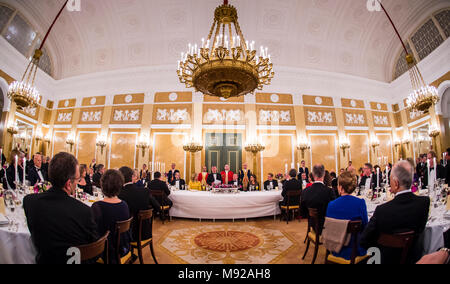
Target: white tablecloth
[[224, 206]]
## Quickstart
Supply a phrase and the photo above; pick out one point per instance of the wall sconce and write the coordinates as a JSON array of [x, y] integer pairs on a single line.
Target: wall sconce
[[406, 139], [13, 130], [143, 144], [303, 145], [23, 136], [344, 144], [48, 138], [375, 143], [434, 132], [101, 142], [70, 140], [397, 143], [39, 136]]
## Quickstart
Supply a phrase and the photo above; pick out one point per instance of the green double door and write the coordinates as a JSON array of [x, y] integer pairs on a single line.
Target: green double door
[[222, 149]]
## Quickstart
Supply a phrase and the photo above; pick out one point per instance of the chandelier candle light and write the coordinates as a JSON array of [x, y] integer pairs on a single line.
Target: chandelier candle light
[[24, 93], [303, 146], [225, 64], [192, 147], [423, 96]]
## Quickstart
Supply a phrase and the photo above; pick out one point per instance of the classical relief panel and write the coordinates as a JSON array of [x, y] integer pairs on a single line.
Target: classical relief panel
[[32, 112], [351, 103], [273, 98], [64, 117], [354, 118], [317, 101], [282, 116], [93, 101], [378, 106], [414, 115], [172, 114], [126, 115], [67, 103], [226, 114], [320, 116], [129, 99], [91, 116], [169, 97], [381, 119]]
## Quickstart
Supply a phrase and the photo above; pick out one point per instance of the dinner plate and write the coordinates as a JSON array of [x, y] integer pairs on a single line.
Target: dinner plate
[[3, 220]]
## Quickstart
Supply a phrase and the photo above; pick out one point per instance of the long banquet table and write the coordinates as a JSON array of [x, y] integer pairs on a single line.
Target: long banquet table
[[224, 206]]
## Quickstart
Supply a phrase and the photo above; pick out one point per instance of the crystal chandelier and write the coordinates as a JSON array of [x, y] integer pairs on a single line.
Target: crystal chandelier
[[24, 93], [225, 64], [423, 96]]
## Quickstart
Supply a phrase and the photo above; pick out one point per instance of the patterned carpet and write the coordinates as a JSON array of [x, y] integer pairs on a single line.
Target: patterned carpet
[[226, 244]]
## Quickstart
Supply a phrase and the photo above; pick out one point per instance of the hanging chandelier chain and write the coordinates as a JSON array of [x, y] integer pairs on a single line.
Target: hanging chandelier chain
[[53, 23]]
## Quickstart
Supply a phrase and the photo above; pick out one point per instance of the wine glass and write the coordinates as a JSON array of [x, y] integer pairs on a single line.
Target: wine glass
[[9, 199]]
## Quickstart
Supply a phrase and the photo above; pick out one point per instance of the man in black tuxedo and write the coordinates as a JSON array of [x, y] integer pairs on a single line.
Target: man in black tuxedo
[[57, 221], [235, 182], [317, 195], [440, 170], [292, 184], [178, 182], [447, 167], [301, 170], [98, 175], [369, 179], [11, 170], [271, 183], [158, 184], [138, 199], [214, 176], [406, 212], [37, 174], [171, 173]]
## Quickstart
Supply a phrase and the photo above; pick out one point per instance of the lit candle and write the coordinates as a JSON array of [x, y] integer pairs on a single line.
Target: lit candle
[[286, 168], [17, 171], [298, 166], [428, 174], [24, 167], [378, 177], [435, 169]]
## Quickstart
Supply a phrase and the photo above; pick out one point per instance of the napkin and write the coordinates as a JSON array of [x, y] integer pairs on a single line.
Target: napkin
[[2, 206]]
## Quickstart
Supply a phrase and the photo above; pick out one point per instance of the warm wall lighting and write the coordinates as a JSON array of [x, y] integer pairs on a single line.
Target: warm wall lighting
[[143, 144], [101, 142], [303, 145], [344, 144], [39, 136], [70, 140]]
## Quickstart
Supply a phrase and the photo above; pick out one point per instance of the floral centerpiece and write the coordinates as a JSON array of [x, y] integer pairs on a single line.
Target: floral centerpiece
[[42, 187], [225, 188]]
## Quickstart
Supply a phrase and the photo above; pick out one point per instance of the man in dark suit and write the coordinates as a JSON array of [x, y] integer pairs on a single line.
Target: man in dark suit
[[369, 179], [178, 182], [171, 173], [98, 175], [235, 182], [36, 174], [447, 167], [57, 221], [11, 170], [406, 212], [292, 184], [317, 195], [301, 170], [158, 184], [214, 177], [440, 170], [137, 199], [271, 183]]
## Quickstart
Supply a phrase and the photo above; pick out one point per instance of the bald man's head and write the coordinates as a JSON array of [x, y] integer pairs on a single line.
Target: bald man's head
[[401, 176]]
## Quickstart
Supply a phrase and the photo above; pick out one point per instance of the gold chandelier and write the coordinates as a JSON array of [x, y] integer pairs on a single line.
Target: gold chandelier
[[423, 96], [24, 93], [225, 65]]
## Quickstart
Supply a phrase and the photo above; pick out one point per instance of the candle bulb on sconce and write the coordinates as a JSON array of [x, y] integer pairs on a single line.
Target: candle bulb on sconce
[[101, 142], [70, 140], [303, 145], [143, 144], [344, 144]]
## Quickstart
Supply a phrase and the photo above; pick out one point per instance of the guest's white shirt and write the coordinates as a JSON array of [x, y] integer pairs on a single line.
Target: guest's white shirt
[[403, 192], [40, 174], [368, 182]]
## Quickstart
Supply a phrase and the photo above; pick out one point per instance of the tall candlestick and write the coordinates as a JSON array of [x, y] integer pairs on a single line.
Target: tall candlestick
[[298, 166], [378, 177], [428, 173], [286, 168], [16, 172], [435, 169], [24, 167]]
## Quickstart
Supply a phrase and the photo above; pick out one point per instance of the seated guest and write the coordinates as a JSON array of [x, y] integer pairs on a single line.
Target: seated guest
[[214, 177], [57, 221], [35, 173], [98, 175], [270, 183], [302, 169], [348, 207], [194, 183], [111, 210], [368, 180], [85, 183], [137, 180], [158, 184], [144, 172], [440, 170], [235, 182], [171, 173], [406, 212], [178, 182], [327, 179], [253, 184], [304, 180], [350, 167], [334, 183], [227, 175], [447, 167], [137, 199], [310, 181], [292, 184], [203, 176], [317, 196], [244, 175], [11, 170], [93, 165]]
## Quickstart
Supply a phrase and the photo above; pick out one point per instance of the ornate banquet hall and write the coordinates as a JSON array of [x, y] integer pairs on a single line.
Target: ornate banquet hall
[[260, 86]]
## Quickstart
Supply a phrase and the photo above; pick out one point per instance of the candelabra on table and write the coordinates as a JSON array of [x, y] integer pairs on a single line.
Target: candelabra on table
[[192, 147], [255, 149]]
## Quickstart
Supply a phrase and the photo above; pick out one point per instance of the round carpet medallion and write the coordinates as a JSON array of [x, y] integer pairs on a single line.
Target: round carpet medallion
[[224, 241]]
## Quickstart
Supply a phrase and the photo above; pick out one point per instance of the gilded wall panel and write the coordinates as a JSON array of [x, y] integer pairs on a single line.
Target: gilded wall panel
[[378, 106], [359, 150], [317, 101], [413, 115], [126, 115], [94, 101], [385, 148], [178, 97], [225, 114], [91, 116], [122, 150], [59, 142], [169, 149], [277, 154], [320, 116], [354, 117], [278, 115], [64, 117], [86, 147], [129, 99], [324, 151], [352, 103], [212, 99], [67, 103], [381, 119], [172, 114], [273, 98], [31, 112]]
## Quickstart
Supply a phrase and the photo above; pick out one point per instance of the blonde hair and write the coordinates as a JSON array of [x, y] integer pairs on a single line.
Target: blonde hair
[[194, 177], [347, 181]]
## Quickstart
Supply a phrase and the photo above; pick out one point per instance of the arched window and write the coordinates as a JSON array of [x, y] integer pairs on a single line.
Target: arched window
[[443, 18], [20, 34]]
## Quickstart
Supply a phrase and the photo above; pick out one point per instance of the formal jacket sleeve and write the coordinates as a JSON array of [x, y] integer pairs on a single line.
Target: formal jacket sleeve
[[370, 234]]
